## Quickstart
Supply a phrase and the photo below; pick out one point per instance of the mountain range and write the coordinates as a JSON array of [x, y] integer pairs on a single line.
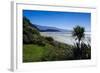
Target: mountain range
[[49, 28]]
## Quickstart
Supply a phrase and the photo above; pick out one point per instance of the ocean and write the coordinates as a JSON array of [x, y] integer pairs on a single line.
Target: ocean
[[66, 37]]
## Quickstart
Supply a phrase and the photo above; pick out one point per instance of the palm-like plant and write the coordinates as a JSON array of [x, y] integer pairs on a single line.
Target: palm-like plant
[[78, 32]]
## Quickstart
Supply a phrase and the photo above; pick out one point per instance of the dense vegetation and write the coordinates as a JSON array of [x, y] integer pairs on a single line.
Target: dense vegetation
[[39, 48]]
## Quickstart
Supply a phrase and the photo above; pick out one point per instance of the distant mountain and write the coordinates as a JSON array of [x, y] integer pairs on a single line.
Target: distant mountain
[[49, 29]]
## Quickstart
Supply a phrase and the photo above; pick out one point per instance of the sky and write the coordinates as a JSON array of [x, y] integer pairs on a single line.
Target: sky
[[62, 20]]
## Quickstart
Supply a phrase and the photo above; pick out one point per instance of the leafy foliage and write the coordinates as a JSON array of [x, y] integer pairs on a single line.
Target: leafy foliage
[[78, 32], [81, 50], [39, 48], [28, 31], [83, 53]]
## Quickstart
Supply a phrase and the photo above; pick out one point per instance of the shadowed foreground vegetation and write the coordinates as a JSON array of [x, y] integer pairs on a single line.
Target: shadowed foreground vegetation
[[37, 48]]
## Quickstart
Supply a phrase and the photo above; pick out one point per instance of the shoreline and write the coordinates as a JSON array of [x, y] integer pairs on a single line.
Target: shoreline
[[65, 38]]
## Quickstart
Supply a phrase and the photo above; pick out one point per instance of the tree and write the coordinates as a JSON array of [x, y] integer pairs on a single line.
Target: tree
[[78, 33]]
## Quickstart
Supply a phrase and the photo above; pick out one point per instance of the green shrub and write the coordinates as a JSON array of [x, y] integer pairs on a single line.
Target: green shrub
[[86, 51], [50, 39], [82, 53], [29, 32]]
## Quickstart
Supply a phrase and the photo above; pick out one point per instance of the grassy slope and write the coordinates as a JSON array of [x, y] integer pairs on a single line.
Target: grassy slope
[[33, 53], [38, 48], [36, 53]]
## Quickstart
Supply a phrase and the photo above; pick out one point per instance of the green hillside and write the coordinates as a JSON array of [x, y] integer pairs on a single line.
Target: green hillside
[[39, 48]]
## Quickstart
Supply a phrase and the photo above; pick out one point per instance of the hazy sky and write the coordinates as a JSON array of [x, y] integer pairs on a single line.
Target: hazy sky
[[63, 20]]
